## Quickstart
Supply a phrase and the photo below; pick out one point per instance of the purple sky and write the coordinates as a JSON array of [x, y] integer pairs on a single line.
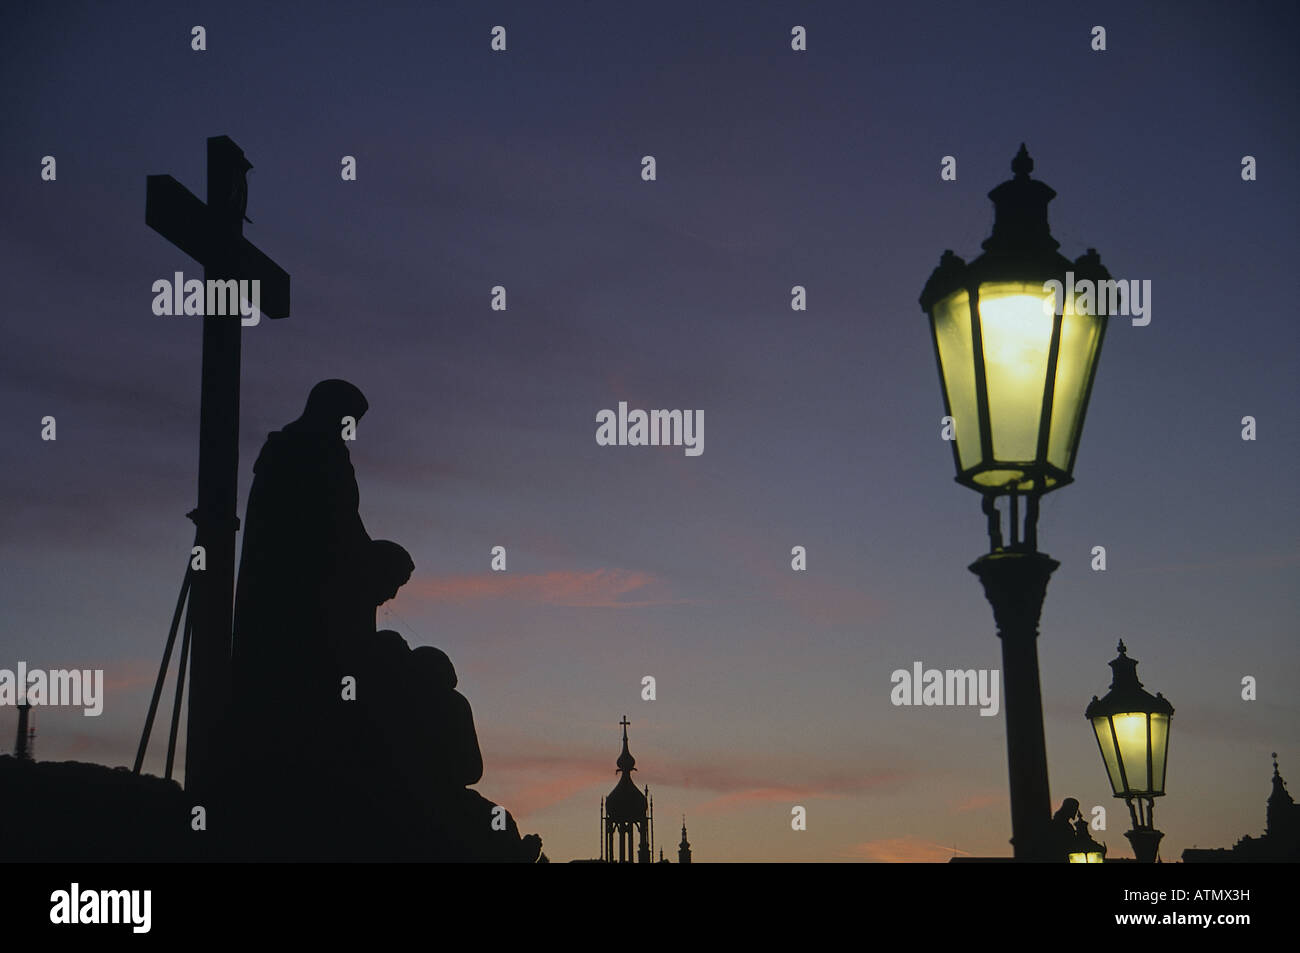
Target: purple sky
[[775, 168]]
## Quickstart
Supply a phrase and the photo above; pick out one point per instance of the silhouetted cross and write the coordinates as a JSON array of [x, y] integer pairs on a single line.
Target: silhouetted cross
[[213, 235], [625, 723]]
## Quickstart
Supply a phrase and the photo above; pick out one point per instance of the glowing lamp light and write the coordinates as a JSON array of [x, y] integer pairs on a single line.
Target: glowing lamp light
[[1016, 361], [1132, 728]]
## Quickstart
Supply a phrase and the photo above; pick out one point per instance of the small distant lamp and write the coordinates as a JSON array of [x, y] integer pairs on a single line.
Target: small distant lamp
[[1132, 728]]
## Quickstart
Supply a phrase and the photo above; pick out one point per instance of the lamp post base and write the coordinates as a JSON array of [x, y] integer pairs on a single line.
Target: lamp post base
[[1146, 844]]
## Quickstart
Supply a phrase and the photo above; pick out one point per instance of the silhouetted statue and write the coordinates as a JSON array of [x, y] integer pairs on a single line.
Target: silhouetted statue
[[430, 740], [305, 550], [390, 567], [448, 743], [309, 580], [1062, 833], [347, 743]]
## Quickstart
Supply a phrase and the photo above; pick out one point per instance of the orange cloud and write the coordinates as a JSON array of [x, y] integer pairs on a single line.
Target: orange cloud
[[903, 850], [598, 588], [762, 796], [528, 783], [538, 795], [741, 787], [978, 802]]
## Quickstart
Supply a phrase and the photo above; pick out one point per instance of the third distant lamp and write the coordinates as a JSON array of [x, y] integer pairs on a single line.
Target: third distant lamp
[[1132, 728]]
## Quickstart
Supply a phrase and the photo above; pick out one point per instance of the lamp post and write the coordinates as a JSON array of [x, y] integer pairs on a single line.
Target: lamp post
[[1017, 364], [1132, 728]]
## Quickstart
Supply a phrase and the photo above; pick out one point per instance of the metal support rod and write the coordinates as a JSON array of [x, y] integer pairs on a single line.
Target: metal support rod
[[180, 692], [1015, 518], [1031, 522], [162, 672], [995, 523]]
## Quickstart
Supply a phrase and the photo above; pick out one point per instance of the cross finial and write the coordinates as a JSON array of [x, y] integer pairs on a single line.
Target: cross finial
[[625, 760]]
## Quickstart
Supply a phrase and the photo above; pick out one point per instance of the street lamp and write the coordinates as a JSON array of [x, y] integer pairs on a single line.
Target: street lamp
[[1132, 728], [1017, 362]]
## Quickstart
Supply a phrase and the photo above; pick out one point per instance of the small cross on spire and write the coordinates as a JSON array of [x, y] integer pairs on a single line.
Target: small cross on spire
[[626, 762]]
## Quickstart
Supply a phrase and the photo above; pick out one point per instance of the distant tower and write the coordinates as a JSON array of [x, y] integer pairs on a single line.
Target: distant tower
[[26, 740], [1281, 809], [684, 848], [627, 814]]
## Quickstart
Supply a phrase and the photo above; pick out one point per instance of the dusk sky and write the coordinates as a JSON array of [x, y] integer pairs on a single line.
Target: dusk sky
[[822, 428]]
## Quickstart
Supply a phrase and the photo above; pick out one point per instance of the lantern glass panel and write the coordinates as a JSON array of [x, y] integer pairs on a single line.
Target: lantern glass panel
[[1016, 332], [1080, 336], [952, 331], [1101, 725], [1131, 732], [1159, 750]]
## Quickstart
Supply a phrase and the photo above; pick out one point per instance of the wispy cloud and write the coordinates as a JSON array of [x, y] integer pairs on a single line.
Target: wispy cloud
[[598, 588], [780, 795], [738, 786], [529, 783], [905, 850], [977, 802], [537, 780]]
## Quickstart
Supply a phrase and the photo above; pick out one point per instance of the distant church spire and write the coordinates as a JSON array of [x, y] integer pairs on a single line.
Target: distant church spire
[[627, 817], [627, 814], [1281, 810]]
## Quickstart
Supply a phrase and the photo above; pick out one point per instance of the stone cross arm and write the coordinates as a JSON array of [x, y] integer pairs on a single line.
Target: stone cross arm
[[178, 215]]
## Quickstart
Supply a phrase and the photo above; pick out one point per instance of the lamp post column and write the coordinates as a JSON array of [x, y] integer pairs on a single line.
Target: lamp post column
[[1015, 584]]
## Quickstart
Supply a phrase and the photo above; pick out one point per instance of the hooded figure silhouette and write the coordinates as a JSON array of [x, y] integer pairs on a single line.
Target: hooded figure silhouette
[[345, 744], [304, 545], [306, 589]]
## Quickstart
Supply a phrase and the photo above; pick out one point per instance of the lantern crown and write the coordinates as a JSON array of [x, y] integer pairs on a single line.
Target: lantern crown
[[1126, 692], [1020, 211], [1017, 347]]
